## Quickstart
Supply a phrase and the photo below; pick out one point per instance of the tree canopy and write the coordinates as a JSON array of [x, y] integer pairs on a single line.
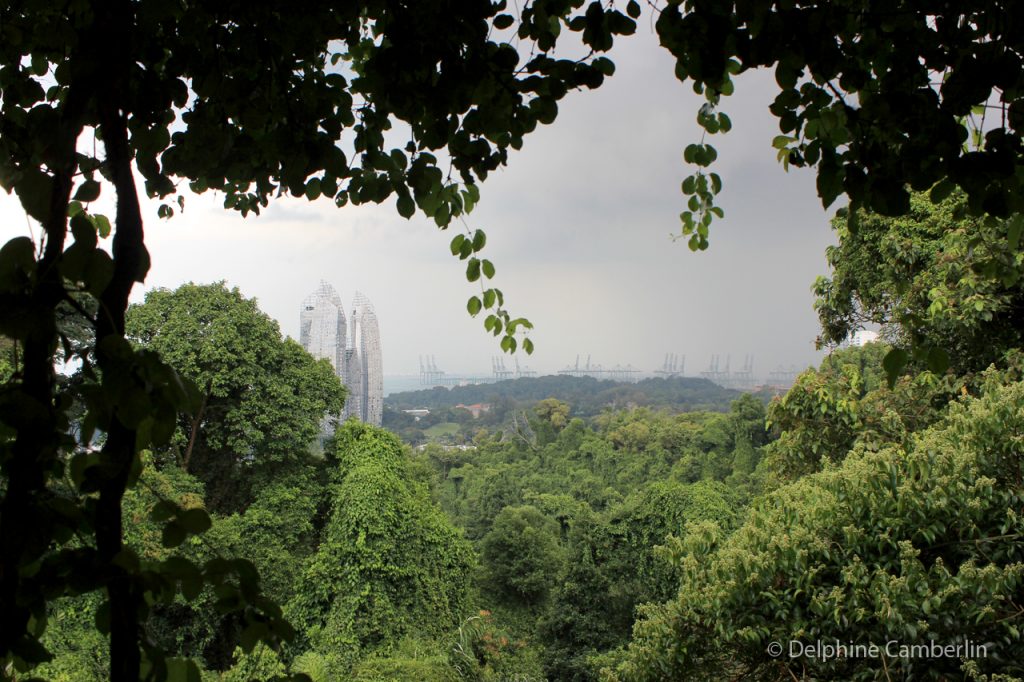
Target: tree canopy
[[263, 400], [915, 542], [933, 278]]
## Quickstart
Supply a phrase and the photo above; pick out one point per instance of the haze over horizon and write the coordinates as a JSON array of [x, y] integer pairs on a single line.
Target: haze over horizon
[[579, 229]]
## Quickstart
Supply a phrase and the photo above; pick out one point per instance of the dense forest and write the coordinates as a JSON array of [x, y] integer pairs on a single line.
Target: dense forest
[[565, 543], [177, 503]]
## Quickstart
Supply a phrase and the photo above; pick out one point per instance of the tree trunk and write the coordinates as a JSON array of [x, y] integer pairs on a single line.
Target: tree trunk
[[196, 421], [119, 451], [130, 265], [37, 443]]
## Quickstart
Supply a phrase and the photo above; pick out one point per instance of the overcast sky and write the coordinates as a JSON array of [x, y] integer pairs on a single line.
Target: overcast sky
[[579, 229]]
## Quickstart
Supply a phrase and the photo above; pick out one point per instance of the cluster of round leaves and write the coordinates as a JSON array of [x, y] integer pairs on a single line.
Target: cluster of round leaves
[[478, 270], [875, 98]]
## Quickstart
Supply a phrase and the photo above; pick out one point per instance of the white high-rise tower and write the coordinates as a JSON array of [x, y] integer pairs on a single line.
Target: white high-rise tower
[[366, 338], [322, 325], [355, 356]]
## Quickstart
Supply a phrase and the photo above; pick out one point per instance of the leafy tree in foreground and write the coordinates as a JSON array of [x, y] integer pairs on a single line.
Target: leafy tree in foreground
[[248, 99], [914, 544], [933, 278], [263, 399], [846, 402]]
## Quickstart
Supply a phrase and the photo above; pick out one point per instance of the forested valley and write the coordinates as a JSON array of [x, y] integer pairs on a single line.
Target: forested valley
[[634, 543]]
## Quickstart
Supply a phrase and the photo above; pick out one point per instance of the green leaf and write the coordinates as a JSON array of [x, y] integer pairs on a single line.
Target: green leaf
[[503, 21], [163, 510], [88, 191], [473, 269], [605, 66], [479, 239], [474, 305], [195, 521], [1013, 231], [173, 534], [182, 670], [102, 224], [406, 206], [98, 272], [40, 65], [456, 245], [528, 346], [938, 360], [16, 256], [33, 190], [489, 297], [941, 190], [893, 364], [488, 268], [253, 634], [29, 650]]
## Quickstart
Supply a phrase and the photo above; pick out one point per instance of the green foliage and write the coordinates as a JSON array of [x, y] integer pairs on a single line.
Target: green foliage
[[487, 649], [847, 402], [249, 100], [521, 553], [264, 399], [913, 544], [647, 519], [552, 416], [568, 526], [202, 595], [81, 650], [586, 611], [886, 101], [313, 665], [388, 564], [262, 663], [275, 531], [412, 660], [940, 283]]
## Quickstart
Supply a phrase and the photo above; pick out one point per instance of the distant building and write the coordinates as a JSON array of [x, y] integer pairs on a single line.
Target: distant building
[[859, 338], [355, 352], [476, 409], [366, 340]]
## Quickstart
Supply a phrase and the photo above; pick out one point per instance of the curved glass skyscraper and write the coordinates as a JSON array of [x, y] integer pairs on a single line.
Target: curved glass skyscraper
[[354, 351], [366, 338]]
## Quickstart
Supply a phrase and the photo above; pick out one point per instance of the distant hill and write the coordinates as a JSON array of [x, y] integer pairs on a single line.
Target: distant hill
[[587, 395]]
